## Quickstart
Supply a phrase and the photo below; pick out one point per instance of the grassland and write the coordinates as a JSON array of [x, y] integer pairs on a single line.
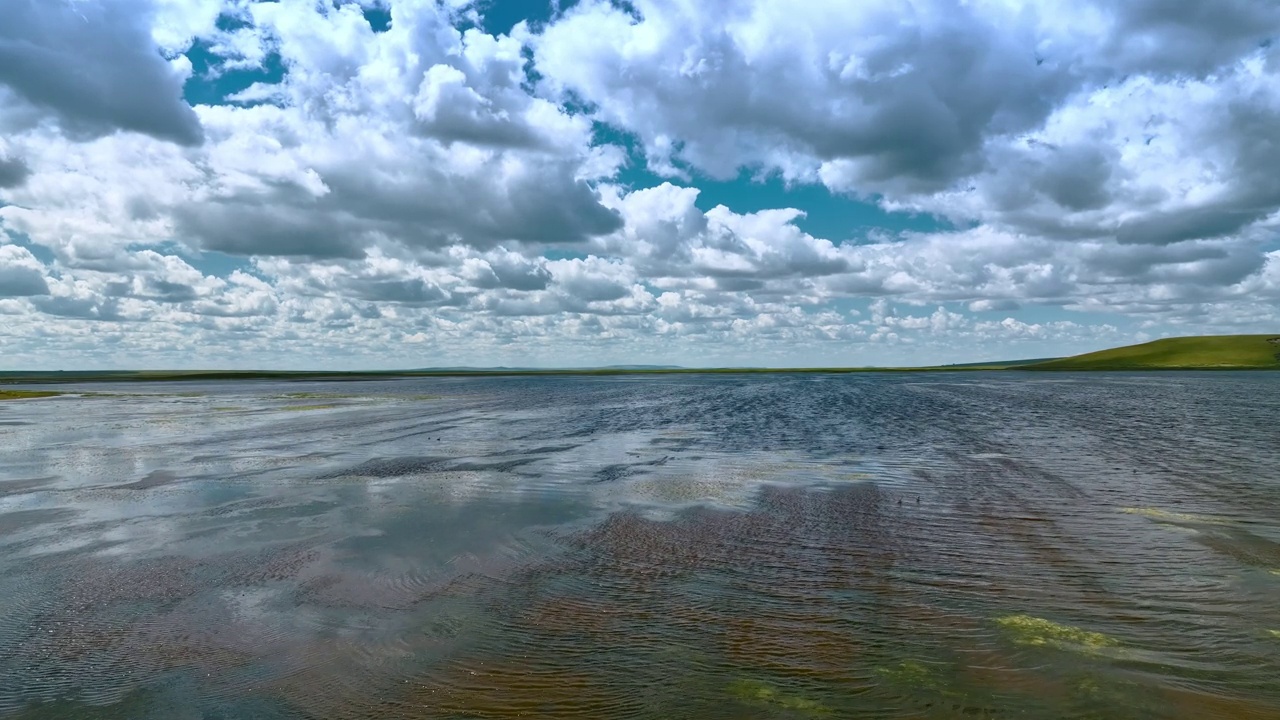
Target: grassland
[[1207, 352]]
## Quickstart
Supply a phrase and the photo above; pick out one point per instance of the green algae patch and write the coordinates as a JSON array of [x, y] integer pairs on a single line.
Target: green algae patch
[[27, 394], [1039, 632], [758, 692], [1167, 516]]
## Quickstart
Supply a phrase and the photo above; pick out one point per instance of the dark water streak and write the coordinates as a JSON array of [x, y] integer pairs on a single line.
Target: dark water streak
[[985, 545]]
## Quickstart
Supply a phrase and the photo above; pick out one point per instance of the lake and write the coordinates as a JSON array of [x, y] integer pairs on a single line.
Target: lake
[[987, 545]]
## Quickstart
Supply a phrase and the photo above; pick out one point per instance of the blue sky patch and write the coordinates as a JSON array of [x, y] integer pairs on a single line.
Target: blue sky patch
[[378, 17], [837, 218], [211, 84]]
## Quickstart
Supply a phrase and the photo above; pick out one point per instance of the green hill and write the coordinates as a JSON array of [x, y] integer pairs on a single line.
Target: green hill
[[1208, 352]]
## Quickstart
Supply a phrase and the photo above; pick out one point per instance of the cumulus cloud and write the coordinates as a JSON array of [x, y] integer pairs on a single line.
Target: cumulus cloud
[[355, 154], [505, 269], [93, 66], [21, 274], [377, 196], [1141, 162], [1053, 118], [898, 95], [13, 172]]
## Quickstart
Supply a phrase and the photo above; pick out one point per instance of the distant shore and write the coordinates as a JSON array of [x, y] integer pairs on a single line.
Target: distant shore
[[1206, 352], [48, 378]]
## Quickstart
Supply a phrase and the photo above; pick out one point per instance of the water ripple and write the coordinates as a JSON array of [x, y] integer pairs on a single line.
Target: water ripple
[[881, 546]]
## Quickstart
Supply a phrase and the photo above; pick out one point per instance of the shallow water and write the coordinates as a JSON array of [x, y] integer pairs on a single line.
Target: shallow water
[[855, 546]]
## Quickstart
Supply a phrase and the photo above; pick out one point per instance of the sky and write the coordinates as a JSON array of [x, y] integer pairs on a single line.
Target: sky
[[411, 183]]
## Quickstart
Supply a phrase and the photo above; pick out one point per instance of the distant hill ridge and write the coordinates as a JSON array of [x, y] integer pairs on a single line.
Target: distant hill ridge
[[1203, 352]]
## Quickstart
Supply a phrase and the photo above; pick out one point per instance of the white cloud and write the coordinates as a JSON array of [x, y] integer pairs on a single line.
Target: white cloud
[[92, 67], [899, 95], [434, 193], [21, 274], [1139, 121]]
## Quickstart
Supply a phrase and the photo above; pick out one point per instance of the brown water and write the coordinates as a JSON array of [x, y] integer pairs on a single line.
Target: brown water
[[862, 546]]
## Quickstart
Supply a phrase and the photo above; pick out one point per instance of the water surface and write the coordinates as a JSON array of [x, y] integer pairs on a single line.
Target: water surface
[[801, 546]]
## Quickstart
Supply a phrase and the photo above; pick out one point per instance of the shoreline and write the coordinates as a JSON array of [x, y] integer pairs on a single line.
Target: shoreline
[[19, 378]]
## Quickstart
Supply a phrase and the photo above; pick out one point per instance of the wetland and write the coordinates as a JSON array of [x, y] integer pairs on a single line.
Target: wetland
[[880, 545]]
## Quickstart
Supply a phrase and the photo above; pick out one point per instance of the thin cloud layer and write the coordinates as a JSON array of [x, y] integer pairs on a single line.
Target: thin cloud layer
[[391, 184]]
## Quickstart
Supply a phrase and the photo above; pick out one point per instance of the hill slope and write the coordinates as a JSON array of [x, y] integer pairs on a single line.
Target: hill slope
[[1208, 352]]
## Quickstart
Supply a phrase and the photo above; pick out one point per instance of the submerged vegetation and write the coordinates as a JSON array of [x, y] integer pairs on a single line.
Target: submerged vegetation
[[1167, 516], [26, 394], [1039, 632], [145, 395], [911, 674], [757, 692], [355, 396]]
